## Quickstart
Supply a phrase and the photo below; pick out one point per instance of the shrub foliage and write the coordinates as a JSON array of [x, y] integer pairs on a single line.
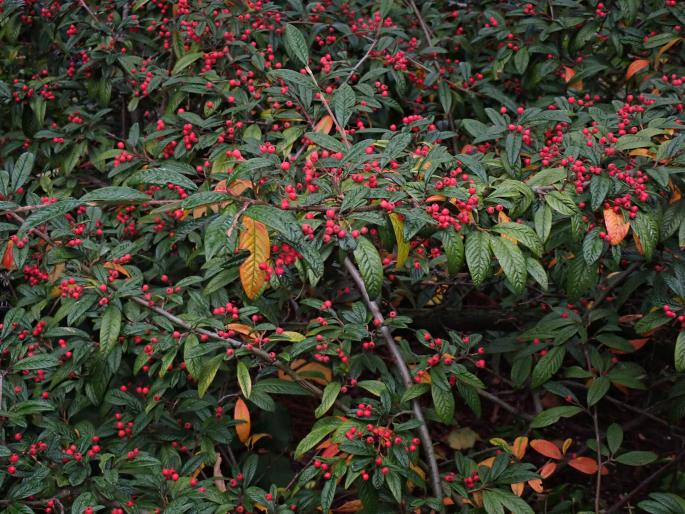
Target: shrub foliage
[[364, 256]]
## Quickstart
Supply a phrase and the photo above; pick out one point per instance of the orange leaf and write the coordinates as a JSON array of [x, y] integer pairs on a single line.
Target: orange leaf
[[517, 489], [8, 256], [255, 239], [240, 328], [325, 125], [519, 447], [536, 485], [617, 226], [313, 371], [635, 67], [241, 413], [638, 343], [118, 267], [546, 448], [487, 462], [569, 73], [350, 506], [665, 48], [584, 465], [548, 469]]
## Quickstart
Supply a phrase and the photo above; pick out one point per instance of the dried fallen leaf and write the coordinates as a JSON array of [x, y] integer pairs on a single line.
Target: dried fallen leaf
[[462, 438]]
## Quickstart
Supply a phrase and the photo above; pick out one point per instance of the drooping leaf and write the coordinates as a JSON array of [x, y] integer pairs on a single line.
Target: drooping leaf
[[255, 239]]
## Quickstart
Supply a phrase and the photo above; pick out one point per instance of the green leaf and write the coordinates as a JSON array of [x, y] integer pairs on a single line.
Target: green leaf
[[543, 222], [548, 365], [414, 391], [443, 401], [316, 435], [562, 203], [453, 245], [650, 321], [296, 44], [395, 486], [21, 170], [599, 387], [330, 394], [592, 246], [161, 177], [680, 352], [550, 416], [478, 255], [45, 214], [538, 273], [328, 494], [115, 194], [185, 61], [495, 500], [244, 379], [370, 266], [521, 60], [36, 362], [343, 103], [521, 233], [646, 228], [614, 437], [208, 374], [637, 458], [512, 146], [110, 326], [547, 177], [512, 261]]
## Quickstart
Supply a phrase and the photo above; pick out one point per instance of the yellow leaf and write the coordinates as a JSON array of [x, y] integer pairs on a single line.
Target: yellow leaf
[[241, 413], [252, 440], [536, 485], [617, 226], [255, 239], [462, 438], [402, 244], [566, 445]]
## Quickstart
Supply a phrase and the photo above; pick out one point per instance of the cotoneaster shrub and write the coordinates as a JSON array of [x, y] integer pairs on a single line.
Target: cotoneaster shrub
[[341, 256]]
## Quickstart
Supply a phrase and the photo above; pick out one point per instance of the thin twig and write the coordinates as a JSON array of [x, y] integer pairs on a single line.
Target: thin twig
[[507, 407], [424, 433], [366, 55], [261, 354], [651, 478], [338, 127], [236, 219], [424, 27]]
